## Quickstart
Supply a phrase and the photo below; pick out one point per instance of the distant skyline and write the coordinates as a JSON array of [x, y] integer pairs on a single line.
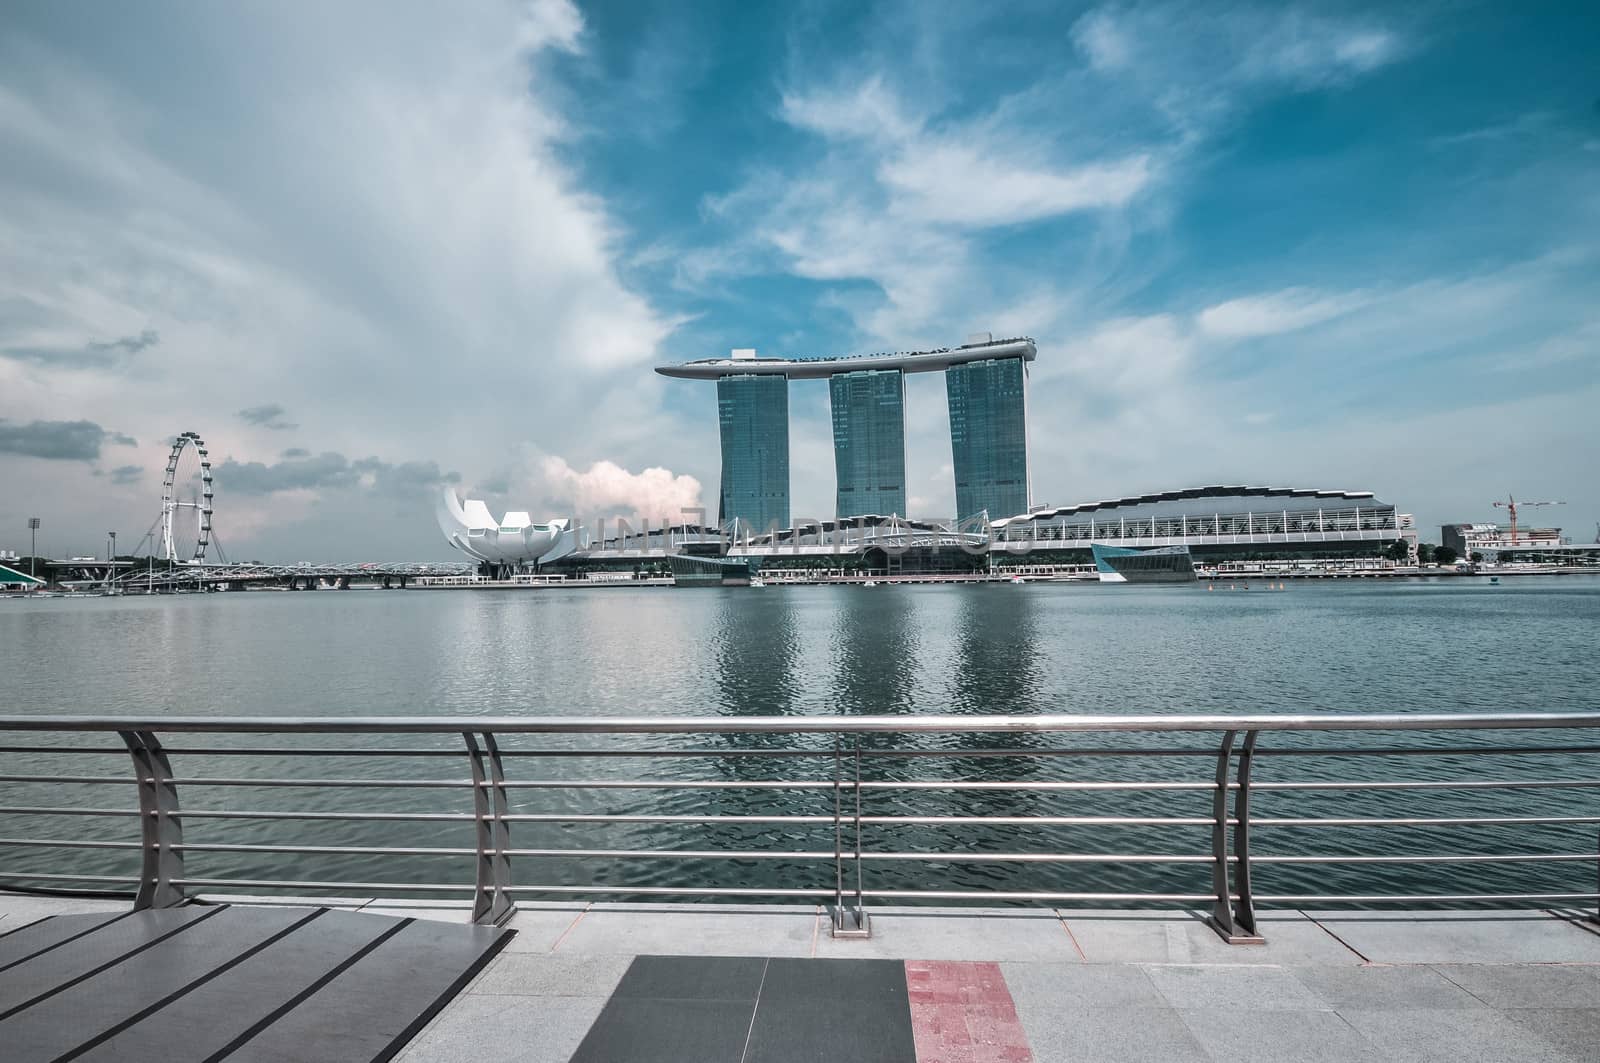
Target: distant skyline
[[367, 250]]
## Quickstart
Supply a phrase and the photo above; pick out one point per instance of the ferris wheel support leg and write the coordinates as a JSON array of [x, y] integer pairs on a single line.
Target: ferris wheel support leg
[[160, 823]]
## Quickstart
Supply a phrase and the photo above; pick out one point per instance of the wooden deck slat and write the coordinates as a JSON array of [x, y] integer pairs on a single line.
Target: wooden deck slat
[[212, 1015], [76, 1016], [111, 943], [33, 938], [373, 1007]]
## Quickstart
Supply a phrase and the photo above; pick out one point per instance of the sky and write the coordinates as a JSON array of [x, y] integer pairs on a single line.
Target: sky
[[367, 250]]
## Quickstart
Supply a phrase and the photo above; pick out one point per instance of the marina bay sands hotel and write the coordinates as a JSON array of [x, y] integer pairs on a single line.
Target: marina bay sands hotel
[[986, 386]]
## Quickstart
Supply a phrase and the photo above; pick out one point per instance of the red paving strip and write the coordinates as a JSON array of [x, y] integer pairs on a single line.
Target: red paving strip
[[963, 1013]]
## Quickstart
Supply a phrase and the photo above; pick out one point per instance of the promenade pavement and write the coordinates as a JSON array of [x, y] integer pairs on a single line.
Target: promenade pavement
[[631, 983]]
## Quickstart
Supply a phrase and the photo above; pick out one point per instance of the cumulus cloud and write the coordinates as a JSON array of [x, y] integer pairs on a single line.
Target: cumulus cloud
[[295, 452], [58, 440], [126, 474], [270, 416], [606, 489], [374, 201]]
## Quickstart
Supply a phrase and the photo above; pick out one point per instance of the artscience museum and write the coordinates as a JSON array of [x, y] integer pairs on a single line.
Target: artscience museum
[[512, 542]]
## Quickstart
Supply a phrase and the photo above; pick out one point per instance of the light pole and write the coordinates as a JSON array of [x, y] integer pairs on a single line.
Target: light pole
[[111, 559], [33, 545]]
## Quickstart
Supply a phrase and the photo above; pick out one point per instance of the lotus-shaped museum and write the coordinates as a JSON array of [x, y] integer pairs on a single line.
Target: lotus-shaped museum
[[512, 540]]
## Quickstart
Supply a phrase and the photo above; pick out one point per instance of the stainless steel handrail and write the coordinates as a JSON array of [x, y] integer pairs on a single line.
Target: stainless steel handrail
[[1215, 800]]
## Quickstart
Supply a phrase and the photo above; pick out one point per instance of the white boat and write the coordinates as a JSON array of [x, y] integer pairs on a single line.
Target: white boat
[[870, 583], [1018, 579], [757, 581]]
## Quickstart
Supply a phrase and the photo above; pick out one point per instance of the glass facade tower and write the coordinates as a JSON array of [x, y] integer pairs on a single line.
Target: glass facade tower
[[869, 442], [753, 414], [989, 436]]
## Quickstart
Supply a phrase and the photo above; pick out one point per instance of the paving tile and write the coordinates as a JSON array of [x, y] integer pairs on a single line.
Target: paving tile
[[540, 929], [1451, 1035], [1108, 1035], [1517, 985], [1575, 1031], [1230, 988], [962, 1012], [1081, 985], [692, 978], [790, 1029], [667, 1031], [1244, 1035], [492, 1029], [1380, 987], [1463, 937], [1149, 937], [690, 931], [935, 936], [21, 909], [535, 975], [285, 900], [458, 916]]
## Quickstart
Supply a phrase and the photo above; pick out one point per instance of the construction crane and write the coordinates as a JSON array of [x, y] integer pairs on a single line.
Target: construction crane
[[1511, 504]]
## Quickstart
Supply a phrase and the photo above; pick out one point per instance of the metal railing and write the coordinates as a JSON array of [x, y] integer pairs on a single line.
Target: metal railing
[[932, 808]]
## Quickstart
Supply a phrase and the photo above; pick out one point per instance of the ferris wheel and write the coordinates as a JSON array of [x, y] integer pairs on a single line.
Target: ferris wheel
[[186, 496]]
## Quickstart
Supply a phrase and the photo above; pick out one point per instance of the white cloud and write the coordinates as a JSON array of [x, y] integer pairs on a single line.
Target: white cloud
[[1274, 312], [387, 241], [605, 489], [970, 185]]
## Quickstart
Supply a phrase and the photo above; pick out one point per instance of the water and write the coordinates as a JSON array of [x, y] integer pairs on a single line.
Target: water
[[1458, 645]]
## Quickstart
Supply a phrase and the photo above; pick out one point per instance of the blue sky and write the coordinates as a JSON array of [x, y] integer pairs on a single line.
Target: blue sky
[[376, 248]]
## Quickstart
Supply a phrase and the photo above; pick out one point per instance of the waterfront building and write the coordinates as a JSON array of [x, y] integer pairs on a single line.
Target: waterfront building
[[1217, 523], [987, 389], [753, 416], [989, 436], [1202, 526], [869, 441], [1468, 539]]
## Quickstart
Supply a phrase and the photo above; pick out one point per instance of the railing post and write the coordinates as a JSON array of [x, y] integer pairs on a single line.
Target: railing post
[[852, 923], [491, 903], [160, 824], [1221, 919], [1244, 911]]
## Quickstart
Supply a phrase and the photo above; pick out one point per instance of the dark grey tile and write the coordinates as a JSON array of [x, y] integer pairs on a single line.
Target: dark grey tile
[[105, 945], [29, 939], [211, 1015], [878, 980], [381, 1000], [95, 1009], [667, 1031], [692, 978], [815, 1028]]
